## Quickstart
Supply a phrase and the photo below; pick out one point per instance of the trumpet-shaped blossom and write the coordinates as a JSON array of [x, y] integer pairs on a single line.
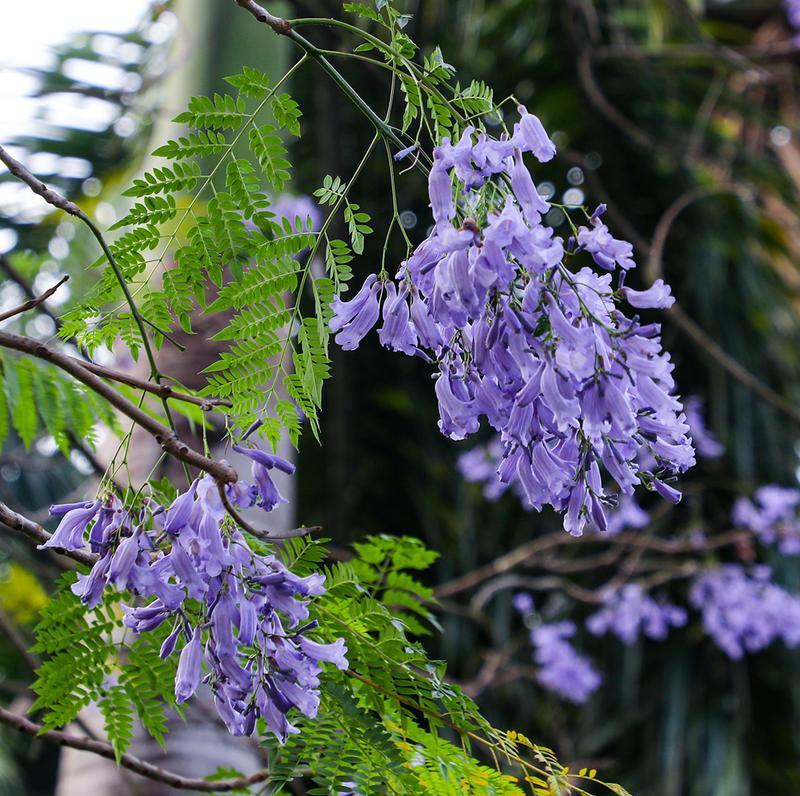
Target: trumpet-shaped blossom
[[525, 336], [249, 639], [75, 518]]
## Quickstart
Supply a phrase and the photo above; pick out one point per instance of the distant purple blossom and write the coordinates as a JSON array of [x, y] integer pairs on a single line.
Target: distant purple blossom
[[706, 444], [561, 668], [582, 397], [773, 514], [631, 612], [627, 514], [523, 603], [745, 612], [293, 209]]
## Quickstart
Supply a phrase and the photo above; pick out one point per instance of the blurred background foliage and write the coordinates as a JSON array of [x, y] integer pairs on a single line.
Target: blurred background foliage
[[682, 115]]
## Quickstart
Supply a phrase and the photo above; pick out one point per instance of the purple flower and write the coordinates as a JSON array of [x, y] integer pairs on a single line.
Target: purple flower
[[187, 678], [397, 333], [707, 445], [628, 514], [178, 513], [70, 532], [657, 296], [561, 669], [581, 397], [530, 136], [404, 153], [262, 464], [441, 193], [773, 514], [606, 250], [353, 319], [630, 612], [745, 612], [523, 603]]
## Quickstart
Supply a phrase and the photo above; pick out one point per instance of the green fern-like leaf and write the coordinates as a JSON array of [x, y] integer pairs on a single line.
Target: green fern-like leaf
[[214, 113]]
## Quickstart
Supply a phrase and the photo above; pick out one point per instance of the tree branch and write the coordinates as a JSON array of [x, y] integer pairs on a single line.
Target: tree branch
[[34, 302], [38, 187], [161, 390], [128, 761], [33, 531], [265, 536], [678, 316], [166, 437]]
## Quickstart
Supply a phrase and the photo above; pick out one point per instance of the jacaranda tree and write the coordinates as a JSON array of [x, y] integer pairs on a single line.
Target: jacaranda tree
[[522, 311]]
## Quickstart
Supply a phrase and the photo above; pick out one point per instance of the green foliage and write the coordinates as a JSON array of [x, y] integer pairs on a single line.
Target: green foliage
[[382, 566], [77, 650], [287, 113], [118, 717], [251, 82], [214, 113], [36, 398], [84, 661]]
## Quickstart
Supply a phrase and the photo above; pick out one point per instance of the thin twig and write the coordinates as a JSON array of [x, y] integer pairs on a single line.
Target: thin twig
[[161, 390], [38, 187], [166, 437], [56, 200], [266, 536], [678, 316], [9, 629], [33, 531], [128, 761], [32, 303]]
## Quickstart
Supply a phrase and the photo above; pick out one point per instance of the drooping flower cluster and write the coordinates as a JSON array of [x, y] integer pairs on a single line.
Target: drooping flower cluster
[[631, 612], [773, 515], [561, 668], [543, 351], [249, 628], [743, 612]]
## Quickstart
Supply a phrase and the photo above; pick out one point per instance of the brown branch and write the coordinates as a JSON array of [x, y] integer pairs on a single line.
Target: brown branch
[[20, 281], [128, 761], [281, 26], [37, 534], [529, 550], [38, 187], [678, 316], [166, 437], [502, 564], [9, 629], [32, 303], [266, 536], [161, 390]]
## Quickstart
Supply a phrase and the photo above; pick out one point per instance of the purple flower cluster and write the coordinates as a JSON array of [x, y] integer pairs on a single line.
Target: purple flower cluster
[[773, 515], [561, 669], [630, 612], [745, 612], [574, 387], [706, 444], [251, 628]]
